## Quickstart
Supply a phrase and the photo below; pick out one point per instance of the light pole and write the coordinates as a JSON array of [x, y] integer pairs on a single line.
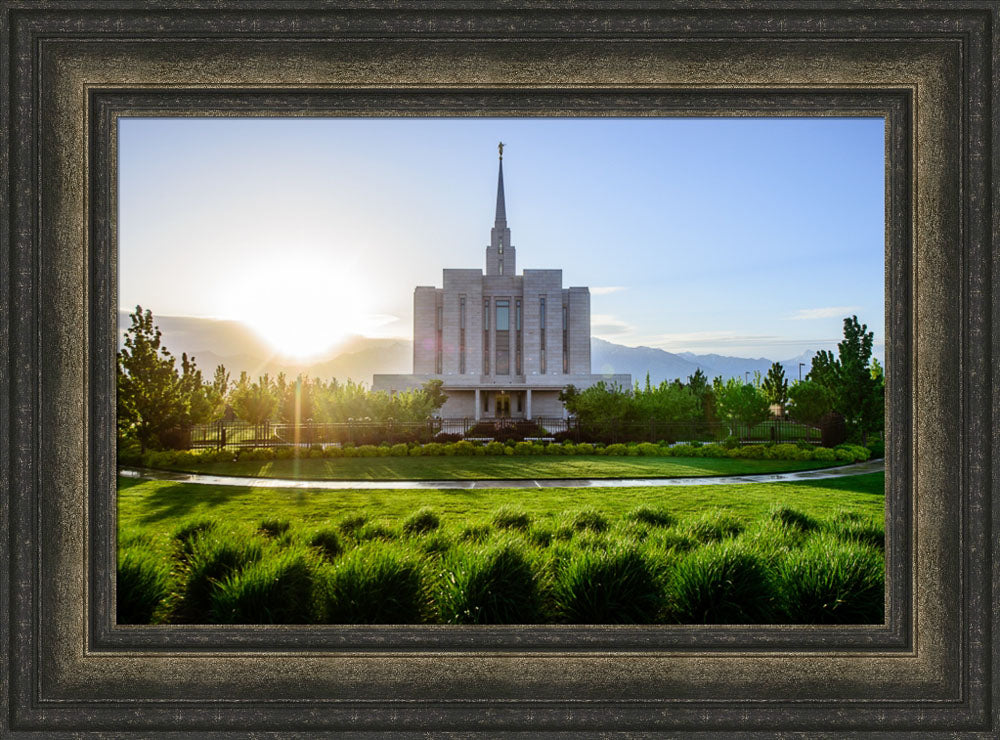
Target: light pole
[[800, 371]]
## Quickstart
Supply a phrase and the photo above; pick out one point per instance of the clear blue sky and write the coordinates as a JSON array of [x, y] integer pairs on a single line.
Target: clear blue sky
[[750, 237]]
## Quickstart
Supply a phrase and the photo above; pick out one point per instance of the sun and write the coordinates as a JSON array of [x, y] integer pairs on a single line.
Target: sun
[[301, 307]]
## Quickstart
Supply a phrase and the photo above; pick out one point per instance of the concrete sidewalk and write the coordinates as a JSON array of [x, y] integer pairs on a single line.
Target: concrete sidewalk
[[871, 466]]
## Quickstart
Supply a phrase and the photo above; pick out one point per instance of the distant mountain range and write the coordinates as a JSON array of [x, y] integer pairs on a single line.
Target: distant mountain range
[[230, 343]]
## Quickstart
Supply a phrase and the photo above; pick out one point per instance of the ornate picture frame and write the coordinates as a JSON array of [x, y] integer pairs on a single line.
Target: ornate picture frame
[[71, 70]]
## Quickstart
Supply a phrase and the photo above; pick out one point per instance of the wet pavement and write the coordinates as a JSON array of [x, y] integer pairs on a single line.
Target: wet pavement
[[871, 466]]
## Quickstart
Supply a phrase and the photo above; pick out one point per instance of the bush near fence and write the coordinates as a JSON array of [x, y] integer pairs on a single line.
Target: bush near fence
[[845, 453]]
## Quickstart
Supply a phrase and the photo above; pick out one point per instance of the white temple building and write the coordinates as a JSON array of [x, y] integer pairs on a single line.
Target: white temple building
[[504, 345]]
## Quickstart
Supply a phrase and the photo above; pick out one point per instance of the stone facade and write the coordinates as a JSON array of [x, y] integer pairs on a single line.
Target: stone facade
[[503, 344]]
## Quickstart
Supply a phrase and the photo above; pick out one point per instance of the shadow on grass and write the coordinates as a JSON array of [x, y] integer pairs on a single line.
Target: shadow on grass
[[126, 483], [181, 499], [872, 484]]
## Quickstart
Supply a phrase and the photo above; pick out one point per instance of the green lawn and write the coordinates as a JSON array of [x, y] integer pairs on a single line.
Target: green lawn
[[500, 467], [788, 552], [156, 507]]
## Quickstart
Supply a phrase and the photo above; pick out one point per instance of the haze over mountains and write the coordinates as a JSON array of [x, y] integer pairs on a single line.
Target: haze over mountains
[[233, 344]]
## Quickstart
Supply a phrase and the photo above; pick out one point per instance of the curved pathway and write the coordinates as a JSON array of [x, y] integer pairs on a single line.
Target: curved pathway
[[871, 466]]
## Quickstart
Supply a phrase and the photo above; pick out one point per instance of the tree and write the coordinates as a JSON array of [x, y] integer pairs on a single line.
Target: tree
[[740, 403], [435, 395], [775, 386], [254, 402], [856, 387], [203, 401], [824, 370], [150, 397], [810, 401]]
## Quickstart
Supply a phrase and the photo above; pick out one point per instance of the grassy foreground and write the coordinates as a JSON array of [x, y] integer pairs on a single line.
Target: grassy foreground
[[749, 553], [483, 468]]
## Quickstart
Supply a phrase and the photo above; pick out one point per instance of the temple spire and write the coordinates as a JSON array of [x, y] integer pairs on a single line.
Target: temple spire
[[501, 219], [500, 255]]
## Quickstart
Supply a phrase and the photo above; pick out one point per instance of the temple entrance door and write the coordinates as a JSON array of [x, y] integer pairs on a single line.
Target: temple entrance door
[[502, 406]]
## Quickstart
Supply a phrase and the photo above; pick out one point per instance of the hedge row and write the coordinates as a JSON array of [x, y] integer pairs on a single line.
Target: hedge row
[[173, 458]]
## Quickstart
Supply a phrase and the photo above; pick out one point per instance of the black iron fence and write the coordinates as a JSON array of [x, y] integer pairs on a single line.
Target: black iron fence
[[234, 434]]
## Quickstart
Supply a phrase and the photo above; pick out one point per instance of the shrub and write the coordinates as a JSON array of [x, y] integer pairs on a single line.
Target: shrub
[[416, 451], [508, 517], [657, 517], [713, 450], [876, 448], [615, 449], [720, 583], [833, 582], [315, 453], [464, 448], [600, 586], [683, 450], [783, 451], [492, 586], [273, 527], [278, 589], [327, 541], [445, 437], [142, 583], [421, 521], [332, 451], [824, 454], [844, 454], [648, 449], [367, 451], [589, 519], [632, 450], [523, 448], [374, 584], [433, 449], [284, 453], [494, 448]]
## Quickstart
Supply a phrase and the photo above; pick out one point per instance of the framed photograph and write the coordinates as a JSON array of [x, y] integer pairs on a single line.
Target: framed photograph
[[146, 156]]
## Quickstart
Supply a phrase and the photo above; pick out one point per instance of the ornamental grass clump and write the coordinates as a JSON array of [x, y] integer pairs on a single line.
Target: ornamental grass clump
[[614, 585], [327, 542], [421, 521], [373, 584], [279, 589], [143, 582], [350, 524], [652, 517], [492, 585], [185, 534], [856, 528], [273, 527], [509, 517], [212, 559], [830, 581], [720, 583], [712, 527], [793, 519], [589, 519]]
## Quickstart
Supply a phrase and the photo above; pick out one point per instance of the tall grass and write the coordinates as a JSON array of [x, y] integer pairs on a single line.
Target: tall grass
[[142, 583], [275, 590], [606, 587], [510, 566], [830, 581], [495, 585], [374, 584]]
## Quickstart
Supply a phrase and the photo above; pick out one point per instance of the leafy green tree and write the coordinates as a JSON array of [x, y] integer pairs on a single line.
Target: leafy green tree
[[151, 400], [809, 401], [203, 401], [824, 370], [740, 403], [254, 402], [436, 397], [775, 386], [856, 397]]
